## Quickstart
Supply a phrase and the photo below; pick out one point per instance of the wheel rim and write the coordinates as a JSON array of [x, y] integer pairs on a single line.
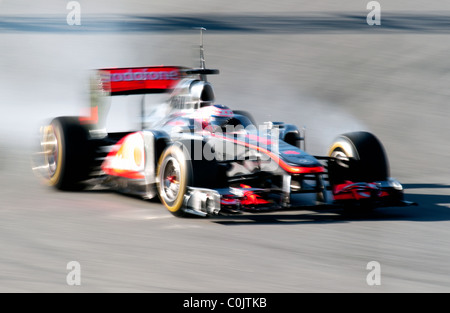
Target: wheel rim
[[51, 151], [170, 180], [341, 157]]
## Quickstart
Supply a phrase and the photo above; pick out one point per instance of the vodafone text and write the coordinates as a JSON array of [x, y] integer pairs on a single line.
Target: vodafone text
[[131, 75]]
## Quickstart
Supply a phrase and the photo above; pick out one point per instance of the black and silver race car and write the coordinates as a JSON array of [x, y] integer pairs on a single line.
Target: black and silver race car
[[205, 159]]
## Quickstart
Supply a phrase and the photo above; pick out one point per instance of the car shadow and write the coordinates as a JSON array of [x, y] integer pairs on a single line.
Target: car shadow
[[430, 208]]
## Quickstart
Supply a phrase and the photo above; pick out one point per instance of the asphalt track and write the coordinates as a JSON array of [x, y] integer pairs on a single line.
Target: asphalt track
[[318, 66]]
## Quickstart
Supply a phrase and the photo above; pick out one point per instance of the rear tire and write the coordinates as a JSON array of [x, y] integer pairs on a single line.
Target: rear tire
[[66, 153]]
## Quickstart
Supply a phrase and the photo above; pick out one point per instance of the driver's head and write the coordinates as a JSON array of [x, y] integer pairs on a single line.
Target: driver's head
[[215, 115]]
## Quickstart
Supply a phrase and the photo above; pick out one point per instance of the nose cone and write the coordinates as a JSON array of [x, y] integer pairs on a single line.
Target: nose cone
[[297, 157]]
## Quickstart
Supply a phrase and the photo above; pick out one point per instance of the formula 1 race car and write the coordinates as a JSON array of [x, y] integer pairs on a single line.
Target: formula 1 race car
[[205, 159]]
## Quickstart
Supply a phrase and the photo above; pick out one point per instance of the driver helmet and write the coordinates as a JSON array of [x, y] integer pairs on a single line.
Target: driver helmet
[[215, 115]]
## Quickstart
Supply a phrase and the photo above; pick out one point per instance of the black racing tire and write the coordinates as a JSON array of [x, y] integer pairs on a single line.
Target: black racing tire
[[188, 172], [364, 155], [66, 153], [174, 174]]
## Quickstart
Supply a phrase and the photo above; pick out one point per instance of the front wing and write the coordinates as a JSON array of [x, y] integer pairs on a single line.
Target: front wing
[[235, 200]]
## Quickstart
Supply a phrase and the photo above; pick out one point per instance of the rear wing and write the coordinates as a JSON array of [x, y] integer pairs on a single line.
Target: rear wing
[[140, 80], [127, 81], [145, 80]]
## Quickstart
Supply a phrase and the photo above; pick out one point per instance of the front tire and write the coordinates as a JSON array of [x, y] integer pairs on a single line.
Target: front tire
[[174, 175], [358, 157]]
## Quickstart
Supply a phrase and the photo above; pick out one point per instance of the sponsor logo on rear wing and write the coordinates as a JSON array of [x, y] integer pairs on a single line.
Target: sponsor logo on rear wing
[[140, 80], [127, 81]]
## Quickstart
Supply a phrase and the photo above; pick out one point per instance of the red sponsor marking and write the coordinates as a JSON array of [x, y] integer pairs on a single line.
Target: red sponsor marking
[[176, 123], [291, 152], [119, 172], [261, 140], [92, 118], [250, 198], [357, 192], [123, 173], [142, 78]]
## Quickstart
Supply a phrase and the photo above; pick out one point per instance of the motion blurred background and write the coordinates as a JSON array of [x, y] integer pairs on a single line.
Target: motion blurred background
[[313, 64]]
